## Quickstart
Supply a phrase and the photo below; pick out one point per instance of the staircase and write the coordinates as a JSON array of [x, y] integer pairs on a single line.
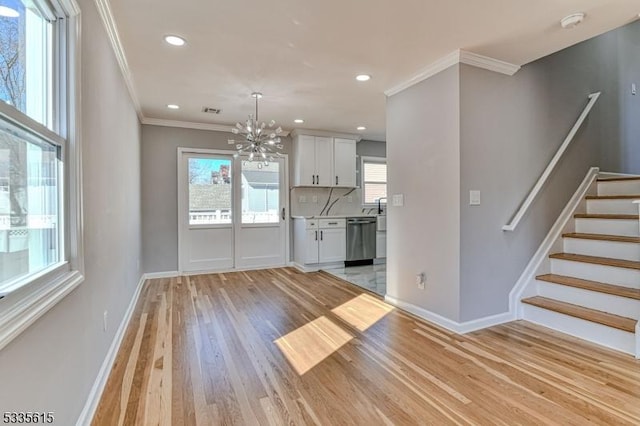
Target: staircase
[[593, 288]]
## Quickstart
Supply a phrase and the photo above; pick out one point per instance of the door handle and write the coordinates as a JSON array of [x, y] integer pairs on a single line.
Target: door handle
[[283, 213]]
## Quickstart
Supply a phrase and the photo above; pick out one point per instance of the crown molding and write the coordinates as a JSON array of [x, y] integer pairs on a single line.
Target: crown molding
[[104, 10], [326, 134], [433, 69], [456, 57], [193, 125], [488, 63]]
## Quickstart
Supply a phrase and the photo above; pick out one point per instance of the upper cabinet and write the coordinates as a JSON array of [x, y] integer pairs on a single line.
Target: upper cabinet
[[344, 165], [324, 161]]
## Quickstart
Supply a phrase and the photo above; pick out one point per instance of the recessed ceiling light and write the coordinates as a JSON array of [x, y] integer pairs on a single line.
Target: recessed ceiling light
[[173, 106], [362, 128], [572, 20], [363, 77], [298, 120], [175, 40], [7, 12]]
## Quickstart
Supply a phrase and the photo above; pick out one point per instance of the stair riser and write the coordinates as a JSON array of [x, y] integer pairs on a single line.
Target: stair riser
[[601, 273], [631, 187], [627, 228], [617, 305], [611, 249], [611, 207], [587, 330]]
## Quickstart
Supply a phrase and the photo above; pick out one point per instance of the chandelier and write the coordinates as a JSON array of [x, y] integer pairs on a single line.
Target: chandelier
[[259, 143]]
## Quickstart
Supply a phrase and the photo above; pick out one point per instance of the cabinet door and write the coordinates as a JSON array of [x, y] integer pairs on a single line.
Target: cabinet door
[[311, 246], [381, 245], [333, 245], [324, 161], [305, 161], [345, 162]]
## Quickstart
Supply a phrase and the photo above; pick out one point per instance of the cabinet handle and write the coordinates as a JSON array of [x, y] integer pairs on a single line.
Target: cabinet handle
[[321, 236], [317, 179], [313, 179], [333, 223], [336, 180], [316, 235]]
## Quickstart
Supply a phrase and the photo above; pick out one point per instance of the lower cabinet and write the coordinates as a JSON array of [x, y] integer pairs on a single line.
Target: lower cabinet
[[319, 241]]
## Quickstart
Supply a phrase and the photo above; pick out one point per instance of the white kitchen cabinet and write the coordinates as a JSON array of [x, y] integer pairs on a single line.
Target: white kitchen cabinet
[[319, 241], [324, 161], [381, 244], [344, 162], [313, 161], [333, 245]]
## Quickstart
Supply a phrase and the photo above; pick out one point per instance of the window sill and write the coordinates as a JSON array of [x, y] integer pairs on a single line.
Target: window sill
[[22, 307]]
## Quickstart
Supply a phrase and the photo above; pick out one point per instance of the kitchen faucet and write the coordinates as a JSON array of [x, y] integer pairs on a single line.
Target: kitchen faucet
[[379, 204]]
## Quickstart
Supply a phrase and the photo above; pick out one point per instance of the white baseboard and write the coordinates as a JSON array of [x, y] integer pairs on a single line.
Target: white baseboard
[[89, 410], [166, 274], [454, 326], [532, 269]]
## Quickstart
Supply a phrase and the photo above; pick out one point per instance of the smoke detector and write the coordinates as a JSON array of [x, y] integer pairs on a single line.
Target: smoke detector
[[210, 110], [572, 20]]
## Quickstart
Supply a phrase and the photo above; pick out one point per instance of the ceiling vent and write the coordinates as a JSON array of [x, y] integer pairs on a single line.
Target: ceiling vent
[[210, 110]]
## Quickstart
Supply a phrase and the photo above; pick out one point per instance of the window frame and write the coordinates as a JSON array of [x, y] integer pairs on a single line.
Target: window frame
[[369, 159], [26, 301]]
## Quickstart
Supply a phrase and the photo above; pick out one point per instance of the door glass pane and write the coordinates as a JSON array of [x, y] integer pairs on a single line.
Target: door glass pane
[[29, 205], [209, 191], [260, 192]]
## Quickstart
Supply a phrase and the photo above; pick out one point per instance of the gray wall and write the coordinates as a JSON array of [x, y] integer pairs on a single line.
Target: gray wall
[[629, 60], [423, 156], [53, 364], [160, 188], [510, 129]]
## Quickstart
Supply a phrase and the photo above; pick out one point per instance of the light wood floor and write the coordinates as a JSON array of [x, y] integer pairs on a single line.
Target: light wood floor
[[279, 347]]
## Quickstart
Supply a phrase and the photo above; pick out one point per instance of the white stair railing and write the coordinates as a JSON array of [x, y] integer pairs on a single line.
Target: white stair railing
[[554, 162]]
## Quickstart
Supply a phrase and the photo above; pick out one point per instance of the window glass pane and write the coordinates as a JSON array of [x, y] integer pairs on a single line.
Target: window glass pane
[[375, 172], [29, 205], [374, 191], [25, 60], [209, 191], [260, 192]]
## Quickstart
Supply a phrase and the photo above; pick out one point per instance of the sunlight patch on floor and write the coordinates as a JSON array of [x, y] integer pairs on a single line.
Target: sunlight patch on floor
[[363, 311], [310, 344]]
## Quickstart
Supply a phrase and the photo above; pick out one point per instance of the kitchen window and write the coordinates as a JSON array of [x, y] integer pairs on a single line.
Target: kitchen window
[[40, 239], [374, 180]]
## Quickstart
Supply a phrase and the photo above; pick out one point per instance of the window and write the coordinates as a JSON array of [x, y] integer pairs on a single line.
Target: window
[[260, 192], [40, 237], [374, 179]]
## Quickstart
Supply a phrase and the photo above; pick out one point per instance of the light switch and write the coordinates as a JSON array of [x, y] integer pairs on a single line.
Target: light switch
[[398, 200], [302, 199], [474, 198]]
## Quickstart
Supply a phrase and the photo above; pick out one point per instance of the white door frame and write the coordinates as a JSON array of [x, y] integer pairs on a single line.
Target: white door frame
[[236, 202]]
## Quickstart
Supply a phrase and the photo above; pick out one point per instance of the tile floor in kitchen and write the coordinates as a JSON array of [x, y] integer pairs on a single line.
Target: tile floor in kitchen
[[370, 277]]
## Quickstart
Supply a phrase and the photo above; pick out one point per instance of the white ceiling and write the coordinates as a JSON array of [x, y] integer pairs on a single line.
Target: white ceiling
[[303, 54]]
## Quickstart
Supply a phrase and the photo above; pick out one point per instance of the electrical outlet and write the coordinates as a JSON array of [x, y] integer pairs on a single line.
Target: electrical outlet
[[420, 279], [350, 199], [302, 199], [314, 199], [104, 320], [474, 198]]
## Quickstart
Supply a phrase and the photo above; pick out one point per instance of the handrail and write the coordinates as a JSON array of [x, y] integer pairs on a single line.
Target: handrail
[[554, 161]]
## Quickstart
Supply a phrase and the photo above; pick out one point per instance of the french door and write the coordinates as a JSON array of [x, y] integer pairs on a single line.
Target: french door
[[232, 212]]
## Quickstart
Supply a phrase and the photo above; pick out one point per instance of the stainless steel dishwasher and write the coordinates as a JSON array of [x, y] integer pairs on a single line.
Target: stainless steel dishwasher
[[361, 239]]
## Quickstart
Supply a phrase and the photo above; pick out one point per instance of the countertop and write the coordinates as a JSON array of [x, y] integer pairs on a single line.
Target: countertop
[[338, 216]]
